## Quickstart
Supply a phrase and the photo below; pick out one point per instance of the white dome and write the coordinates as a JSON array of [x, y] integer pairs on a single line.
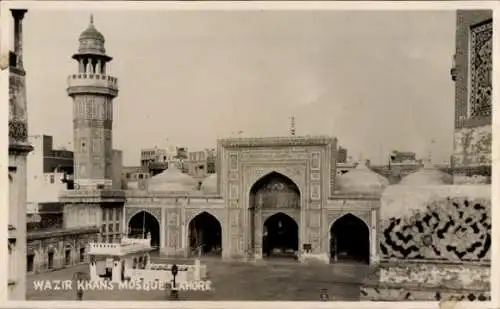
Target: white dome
[[172, 180], [209, 184], [427, 176], [361, 180]]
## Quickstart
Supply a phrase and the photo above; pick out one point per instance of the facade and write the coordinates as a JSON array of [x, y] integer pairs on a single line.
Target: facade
[[472, 74], [94, 202], [45, 159], [263, 187], [19, 148]]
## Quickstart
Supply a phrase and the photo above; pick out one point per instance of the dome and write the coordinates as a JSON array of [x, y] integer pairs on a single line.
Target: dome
[[427, 176], [172, 180], [361, 180], [91, 40], [209, 184]]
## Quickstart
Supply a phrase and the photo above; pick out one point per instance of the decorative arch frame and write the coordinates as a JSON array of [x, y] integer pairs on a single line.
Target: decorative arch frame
[[193, 216], [196, 213], [295, 174], [139, 210], [342, 215], [291, 215], [360, 218]]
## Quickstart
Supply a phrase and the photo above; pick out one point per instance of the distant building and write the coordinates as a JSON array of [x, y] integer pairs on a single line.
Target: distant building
[[342, 155], [155, 160], [403, 156], [201, 163], [134, 177]]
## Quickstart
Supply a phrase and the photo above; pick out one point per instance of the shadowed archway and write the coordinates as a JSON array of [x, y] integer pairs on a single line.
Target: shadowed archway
[[280, 237], [350, 240], [143, 223], [205, 236], [278, 196]]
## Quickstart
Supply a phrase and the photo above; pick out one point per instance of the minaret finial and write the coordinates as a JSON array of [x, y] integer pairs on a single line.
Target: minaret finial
[[292, 126], [92, 19]]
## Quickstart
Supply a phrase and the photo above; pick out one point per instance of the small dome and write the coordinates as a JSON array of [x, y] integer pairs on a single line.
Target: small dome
[[428, 175], [361, 180], [91, 40], [209, 184], [172, 180]]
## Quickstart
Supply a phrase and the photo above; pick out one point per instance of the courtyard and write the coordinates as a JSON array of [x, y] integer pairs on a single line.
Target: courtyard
[[270, 281]]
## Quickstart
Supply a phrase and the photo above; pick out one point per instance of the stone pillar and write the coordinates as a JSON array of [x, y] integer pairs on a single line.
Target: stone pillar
[[373, 236], [258, 232], [163, 214]]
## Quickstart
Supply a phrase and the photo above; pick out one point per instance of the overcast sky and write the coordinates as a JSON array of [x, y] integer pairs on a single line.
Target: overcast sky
[[376, 80]]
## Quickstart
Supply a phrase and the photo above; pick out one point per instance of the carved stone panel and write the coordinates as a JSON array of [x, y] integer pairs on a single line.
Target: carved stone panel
[[314, 219], [481, 70], [315, 191], [277, 154], [235, 219], [294, 172], [173, 238], [233, 191], [172, 218], [233, 161], [315, 176], [233, 175], [315, 161]]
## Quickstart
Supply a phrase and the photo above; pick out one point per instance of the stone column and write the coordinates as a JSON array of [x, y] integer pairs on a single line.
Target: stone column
[[373, 236], [258, 234], [18, 35]]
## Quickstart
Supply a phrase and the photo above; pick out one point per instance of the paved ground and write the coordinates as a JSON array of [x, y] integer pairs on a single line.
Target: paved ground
[[280, 280]]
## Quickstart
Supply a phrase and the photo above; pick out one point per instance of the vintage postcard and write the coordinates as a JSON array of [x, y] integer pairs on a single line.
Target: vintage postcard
[[249, 152]]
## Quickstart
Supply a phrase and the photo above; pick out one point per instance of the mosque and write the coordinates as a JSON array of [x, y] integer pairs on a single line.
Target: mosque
[[282, 198]]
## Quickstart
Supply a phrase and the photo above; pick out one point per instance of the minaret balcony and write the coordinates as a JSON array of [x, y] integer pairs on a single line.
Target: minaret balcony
[[92, 83]]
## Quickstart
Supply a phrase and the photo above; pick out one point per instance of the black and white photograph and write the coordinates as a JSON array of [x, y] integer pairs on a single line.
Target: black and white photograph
[[248, 153]]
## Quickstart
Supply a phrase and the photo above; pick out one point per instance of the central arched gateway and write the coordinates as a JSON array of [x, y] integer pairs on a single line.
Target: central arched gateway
[[205, 236], [274, 203], [350, 240], [143, 223]]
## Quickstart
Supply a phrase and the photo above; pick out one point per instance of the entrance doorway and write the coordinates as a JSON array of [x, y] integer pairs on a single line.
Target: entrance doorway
[[143, 223], [205, 236], [350, 240], [280, 236]]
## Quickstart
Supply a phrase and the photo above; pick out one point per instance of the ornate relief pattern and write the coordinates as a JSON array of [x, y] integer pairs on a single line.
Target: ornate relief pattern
[[130, 212], [315, 191], [453, 229], [233, 161], [315, 160], [363, 216], [272, 154], [315, 176], [295, 173], [18, 131], [473, 146], [277, 193], [481, 69]]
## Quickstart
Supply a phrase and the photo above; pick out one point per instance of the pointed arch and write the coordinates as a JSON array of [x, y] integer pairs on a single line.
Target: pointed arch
[[205, 235], [280, 237], [350, 239], [274, 191], [143, 222]]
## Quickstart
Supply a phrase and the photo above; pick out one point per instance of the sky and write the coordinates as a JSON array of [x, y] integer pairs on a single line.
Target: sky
[[377, 80]]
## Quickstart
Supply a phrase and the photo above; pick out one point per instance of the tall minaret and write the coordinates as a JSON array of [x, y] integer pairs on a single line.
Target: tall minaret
[[18, 151], [93, 91], [94, 202]]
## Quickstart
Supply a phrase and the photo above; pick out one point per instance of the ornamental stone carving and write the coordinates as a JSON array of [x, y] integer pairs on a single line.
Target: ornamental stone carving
[[131, 212], [296, 173]]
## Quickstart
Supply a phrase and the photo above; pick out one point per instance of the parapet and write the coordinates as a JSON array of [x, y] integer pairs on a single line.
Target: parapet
[[93, 83]]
